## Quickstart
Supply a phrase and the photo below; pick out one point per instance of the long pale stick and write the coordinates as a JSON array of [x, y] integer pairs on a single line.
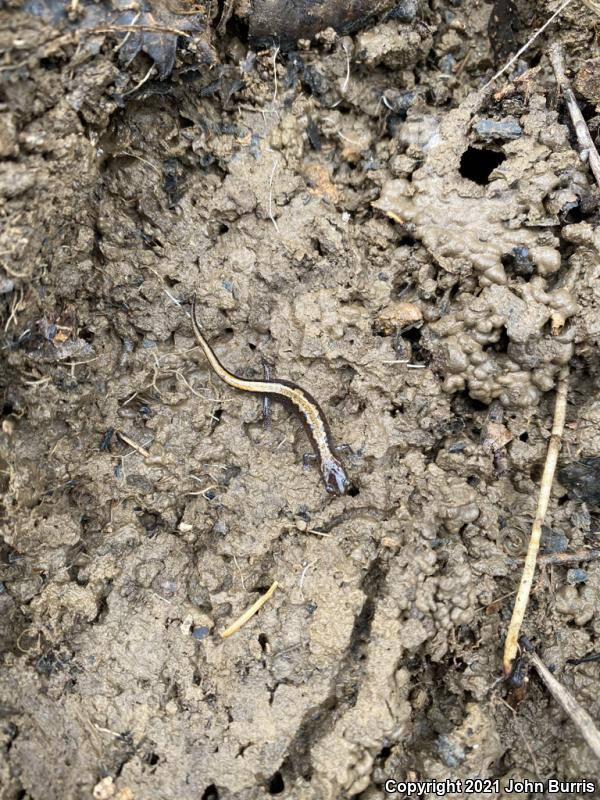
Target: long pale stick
[[560, 410]]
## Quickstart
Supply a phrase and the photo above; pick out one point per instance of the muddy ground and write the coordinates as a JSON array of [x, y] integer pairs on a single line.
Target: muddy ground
[[425, 261]]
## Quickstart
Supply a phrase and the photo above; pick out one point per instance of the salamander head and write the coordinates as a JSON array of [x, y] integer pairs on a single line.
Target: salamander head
[[334, 476]]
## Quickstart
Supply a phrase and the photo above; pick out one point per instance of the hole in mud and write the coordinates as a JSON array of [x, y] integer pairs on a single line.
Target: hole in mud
[[501, 346], [317, 245], [477, 164], [476, 405], [50, 63], [150, 521], [353, 491], [535, 472], [524, 437], [406, 239], [384, 753], [7, 409], [223, 229], [276, 784], [412, 334], [86, 335], [11, 731], [153, 759], [261, 589], [420, 353], [263, 641], [237, 28], [215, 418], [518, 263], [211, 793], [230, 472], [396, 409]]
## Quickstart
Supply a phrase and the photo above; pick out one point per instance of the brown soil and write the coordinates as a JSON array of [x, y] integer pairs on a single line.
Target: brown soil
[[361, 225]]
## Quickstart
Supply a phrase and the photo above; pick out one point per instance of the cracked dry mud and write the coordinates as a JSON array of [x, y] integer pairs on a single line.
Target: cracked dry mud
[[339, 226]]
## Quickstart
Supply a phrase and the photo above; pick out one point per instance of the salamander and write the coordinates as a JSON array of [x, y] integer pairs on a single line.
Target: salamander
[[332, 470]]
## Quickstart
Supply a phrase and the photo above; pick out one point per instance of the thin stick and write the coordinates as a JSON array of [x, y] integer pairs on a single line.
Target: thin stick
[[124, 40], [581, 129], [346, 79], [141, 83], [137, 29], [13, 272], [203, 492], [237, 566], [563, 697], [169, 295], [139, 158], [320, 533], [241, 621], [560, 410], [275, 87], [131, 443], [14, 309], [271, 217], [528, 43], [303, 576]]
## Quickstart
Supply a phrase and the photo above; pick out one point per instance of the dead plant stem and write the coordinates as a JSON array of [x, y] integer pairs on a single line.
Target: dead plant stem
[[586, 143], [528, 43], [249, 613], [522, 599], [579, 716]]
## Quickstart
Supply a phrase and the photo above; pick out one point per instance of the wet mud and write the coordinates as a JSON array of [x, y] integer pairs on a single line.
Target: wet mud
[[424, 259]]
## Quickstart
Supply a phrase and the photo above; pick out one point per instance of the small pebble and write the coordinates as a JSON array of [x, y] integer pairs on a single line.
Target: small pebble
[[575, 576], [200, 632], [446, 64], [451, 753], [489, 129], [553, 541], [405, 10], [105, 789]]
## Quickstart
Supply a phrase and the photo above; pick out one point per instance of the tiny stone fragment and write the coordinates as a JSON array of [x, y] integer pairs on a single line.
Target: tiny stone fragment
[[489, 129]]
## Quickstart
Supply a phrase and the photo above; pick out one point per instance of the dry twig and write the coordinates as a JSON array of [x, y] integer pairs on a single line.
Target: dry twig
[[560, 409], [138, 447], [275, 86], [140, 83], [136, 29], [346, 79], [581, 129], [271, 217], [578, 715], [241, 621], [527, 44]]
